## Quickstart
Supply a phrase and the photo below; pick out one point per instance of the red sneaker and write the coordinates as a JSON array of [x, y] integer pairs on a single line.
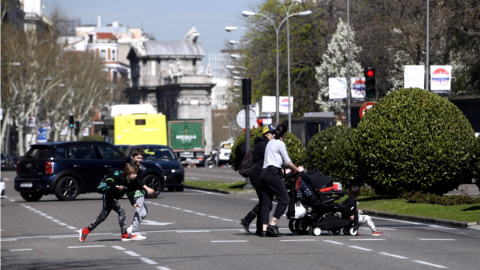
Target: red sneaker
[[128, 236], [82, 234], [377, 233]]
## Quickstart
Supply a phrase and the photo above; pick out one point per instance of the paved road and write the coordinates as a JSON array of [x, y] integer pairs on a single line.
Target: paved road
[[199, 230]]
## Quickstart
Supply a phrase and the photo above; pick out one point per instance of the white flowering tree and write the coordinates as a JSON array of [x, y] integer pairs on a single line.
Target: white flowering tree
[[334, 64]]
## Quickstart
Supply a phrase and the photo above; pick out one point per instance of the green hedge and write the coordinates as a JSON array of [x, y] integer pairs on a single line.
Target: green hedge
[[414, 140], [333, 152]]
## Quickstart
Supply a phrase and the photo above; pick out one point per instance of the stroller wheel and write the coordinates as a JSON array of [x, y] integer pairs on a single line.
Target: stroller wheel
[[315, 231], [301, 226], [350, 230], [336, 232], [291, 225]]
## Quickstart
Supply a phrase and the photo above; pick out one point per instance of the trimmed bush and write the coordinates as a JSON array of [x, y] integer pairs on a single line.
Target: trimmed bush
[[476, 161], [296, 150], [333, 152], [414, 140]]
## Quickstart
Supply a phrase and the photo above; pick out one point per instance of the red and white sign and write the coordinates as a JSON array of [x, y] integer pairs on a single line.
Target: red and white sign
[[365, 107]]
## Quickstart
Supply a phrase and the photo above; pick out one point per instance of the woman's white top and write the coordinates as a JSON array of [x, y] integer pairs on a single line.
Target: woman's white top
[[276, 154]]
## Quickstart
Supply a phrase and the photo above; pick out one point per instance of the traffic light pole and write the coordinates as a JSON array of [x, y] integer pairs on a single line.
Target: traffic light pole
[[349, 92], [247, 100]]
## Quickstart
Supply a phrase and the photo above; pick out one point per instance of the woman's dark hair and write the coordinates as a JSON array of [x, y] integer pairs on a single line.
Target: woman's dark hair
[[280, 131]]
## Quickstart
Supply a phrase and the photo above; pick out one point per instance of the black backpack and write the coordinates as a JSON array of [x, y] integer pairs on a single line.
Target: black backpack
[[247, 165], [102, 187]]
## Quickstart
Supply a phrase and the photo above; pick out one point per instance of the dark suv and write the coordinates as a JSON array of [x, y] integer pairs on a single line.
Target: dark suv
[[67, 169]]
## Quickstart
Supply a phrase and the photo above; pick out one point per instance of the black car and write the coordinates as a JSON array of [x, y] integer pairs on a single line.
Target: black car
[[162, 155], [68, 169]]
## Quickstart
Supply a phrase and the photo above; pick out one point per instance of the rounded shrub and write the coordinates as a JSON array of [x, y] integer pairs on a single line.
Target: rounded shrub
[[296, 150], [333, 152], [414, 140], [476, 162]]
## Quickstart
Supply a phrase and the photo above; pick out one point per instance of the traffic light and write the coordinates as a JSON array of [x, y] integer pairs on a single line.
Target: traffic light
[[246, 91], [77, 128], [71, 121], [370, 82]]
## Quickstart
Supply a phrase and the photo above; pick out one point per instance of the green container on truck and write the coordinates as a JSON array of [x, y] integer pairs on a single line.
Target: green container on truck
[[186, 137]]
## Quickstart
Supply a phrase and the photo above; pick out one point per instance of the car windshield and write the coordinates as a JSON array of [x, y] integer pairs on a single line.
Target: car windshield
[[158, 153]]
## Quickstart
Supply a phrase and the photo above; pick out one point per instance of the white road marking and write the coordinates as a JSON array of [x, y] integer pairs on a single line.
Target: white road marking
[[229, 241], [147, 260], [393, 255], [163, 268], [299, 240], [360, 248], [131, 253], [118, 247], [367, 239], [436, 239], [191, 231], [430, 264], [22, 249], [94, 246], [333, 242]]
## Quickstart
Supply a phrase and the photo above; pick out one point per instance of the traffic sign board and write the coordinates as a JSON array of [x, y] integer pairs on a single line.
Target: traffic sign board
[[365, 107]]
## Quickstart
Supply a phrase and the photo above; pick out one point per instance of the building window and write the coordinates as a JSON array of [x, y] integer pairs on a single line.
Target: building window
[[114, 57], [115, 77], [103, 54]]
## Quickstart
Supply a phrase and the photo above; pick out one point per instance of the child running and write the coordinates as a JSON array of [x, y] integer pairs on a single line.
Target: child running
[[110, 202], [136, 194], [357, 215]]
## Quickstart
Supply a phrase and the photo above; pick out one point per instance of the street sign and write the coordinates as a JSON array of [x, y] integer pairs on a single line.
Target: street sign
[[365, 107], [252, 119]]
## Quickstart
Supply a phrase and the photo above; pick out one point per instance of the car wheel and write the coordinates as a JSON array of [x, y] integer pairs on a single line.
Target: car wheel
[[152, 181], [67, 189], [31, 196], [179, 189]]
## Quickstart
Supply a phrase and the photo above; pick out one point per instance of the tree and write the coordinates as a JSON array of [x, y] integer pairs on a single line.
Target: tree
[[414, 140], [334, 64], [307, 43]]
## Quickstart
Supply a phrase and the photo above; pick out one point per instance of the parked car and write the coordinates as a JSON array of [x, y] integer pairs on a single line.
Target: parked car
[[65, 169], [223, 155], [7, 162], [122, 147], [162, 156]]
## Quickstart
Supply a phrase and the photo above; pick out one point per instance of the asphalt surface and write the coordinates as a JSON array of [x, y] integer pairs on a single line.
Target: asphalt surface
[[226, 174]]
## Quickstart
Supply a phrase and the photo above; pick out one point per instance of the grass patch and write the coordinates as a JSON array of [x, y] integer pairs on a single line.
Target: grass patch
[[232, 187], [464, 213]]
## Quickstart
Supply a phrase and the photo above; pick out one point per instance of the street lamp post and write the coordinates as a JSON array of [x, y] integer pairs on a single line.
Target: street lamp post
[[277, 32]]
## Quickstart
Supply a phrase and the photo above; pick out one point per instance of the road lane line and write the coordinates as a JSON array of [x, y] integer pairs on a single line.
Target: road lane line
[[148, 261], [131, 253], [299, 240], [430, 264], [333, 242], [94, 246], [436, 239], [360, 248], [229, 241], [367, 239], [393, 255], [21, 249], [191, 231], [118, 247]]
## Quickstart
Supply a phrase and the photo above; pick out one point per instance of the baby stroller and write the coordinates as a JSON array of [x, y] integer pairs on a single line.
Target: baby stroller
[[312, 205]]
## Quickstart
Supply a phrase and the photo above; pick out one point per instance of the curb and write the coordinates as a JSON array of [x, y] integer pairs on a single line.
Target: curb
[[453, 223], [422, 219]]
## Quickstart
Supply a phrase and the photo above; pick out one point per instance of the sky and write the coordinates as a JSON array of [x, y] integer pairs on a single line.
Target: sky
[[165, 20]]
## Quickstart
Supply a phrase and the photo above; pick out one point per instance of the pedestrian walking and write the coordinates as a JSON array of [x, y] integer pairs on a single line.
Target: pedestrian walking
[[260, 143], [272, 181], [116, 184]]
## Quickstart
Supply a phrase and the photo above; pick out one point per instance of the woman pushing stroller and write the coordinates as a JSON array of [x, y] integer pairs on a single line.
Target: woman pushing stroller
[[272, 181]]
